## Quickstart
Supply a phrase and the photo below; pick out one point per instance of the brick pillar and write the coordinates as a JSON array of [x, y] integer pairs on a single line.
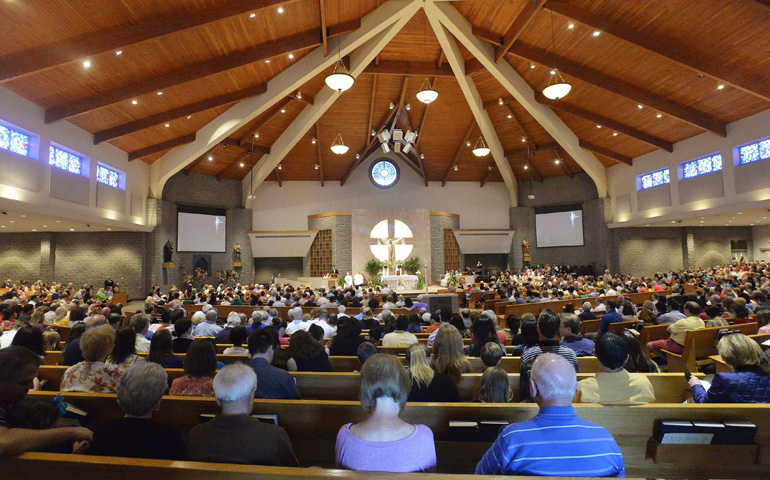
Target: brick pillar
[[48, 256]]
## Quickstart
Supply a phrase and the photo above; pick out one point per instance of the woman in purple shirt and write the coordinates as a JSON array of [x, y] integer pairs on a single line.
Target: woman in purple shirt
[[383, 442]]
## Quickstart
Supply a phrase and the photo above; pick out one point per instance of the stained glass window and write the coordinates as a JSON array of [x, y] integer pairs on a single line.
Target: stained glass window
[[755, 152], [64, 160], [654, 179], [14, 141], [108, 177], [702, 166]]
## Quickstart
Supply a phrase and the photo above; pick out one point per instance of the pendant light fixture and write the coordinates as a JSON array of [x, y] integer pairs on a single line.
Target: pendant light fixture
[[557, 87], [339, 79], [427, 93], [338, 146], [481, 149]]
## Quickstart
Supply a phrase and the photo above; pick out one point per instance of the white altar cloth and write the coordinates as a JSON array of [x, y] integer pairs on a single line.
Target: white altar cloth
[[400, 282]]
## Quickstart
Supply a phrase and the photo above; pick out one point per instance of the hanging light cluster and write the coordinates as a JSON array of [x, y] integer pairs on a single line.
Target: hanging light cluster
[[338, 146], [481, 149], [340, 79], [427, 94]]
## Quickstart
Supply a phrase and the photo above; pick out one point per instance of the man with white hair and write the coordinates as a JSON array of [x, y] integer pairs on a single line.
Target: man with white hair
[[556, 442], [341, 311], [233, 321], [209, 328], [233, 436], [297, 324], [258, 320]]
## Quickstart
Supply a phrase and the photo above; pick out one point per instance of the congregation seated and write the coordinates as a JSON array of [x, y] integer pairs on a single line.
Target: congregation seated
[[273, 381], [93, 375], [637, 361], [748, 383], [399, 337], [678, 331], [238, 337], [571, 338], [233, 436], [427, 384], [162, 350], [484, 332], [494, 386], [613, 384], [548, 327], [448, 357], [308, 354], [383, 442], [199, 364], [136, 434], [550, 443], [124, 352], [182, 335]]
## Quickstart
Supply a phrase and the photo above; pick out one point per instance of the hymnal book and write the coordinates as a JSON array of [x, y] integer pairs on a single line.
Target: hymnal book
[[489, 429], [463, 431], [264, 418], [738, 432]]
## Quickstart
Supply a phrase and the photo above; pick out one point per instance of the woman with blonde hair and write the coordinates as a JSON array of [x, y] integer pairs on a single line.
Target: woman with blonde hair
[[62, 317], [383, 442], [494, 387], [93, 375], [748, 383], [428, 385], [448, 357], [52, 341]]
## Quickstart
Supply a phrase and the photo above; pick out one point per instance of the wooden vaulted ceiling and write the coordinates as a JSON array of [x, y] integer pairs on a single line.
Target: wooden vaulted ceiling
[[693, 66]]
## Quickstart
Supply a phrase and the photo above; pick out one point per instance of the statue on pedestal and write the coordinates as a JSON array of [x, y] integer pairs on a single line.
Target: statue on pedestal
[[237, 251], [525, 253], [168, 250]]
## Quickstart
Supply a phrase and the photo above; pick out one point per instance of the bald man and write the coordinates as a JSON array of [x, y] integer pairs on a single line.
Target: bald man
[[556, 442]]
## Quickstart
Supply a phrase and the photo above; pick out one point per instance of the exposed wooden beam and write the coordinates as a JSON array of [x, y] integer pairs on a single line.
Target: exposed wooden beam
[[441, 59], [402, 97], [414, 152], [396, 67], [246, 138], [532, 171], [523, 151], [188, 170], [473, 66], [619, 87], [371, 111], [318, 152], [562, 162], [496, 102], [466, 137], [410, 163], [606, 152], [324, 38], [486, 178], [607, 122], [303, 97], [368, 148], [520, 23], [709, 65], [231, 166], [187, 110], [424, 116], [487, 36], [161, 147], [524, 131], [109, 39], [157, 83], [764, 2]]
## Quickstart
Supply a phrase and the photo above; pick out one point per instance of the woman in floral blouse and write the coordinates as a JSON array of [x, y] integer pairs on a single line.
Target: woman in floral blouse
[[199, 366], [93, 375]]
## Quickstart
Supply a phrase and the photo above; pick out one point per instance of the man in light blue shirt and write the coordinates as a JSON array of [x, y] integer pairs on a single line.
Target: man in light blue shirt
[[673, 315], [209, 328], [556, 442]]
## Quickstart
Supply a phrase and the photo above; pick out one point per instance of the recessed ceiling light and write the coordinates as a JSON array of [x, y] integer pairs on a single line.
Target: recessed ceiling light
[[721, 86], [134, 101], [252, 15], [291, 55], [614, 134], [456, 168], [571, 25], [118, 52], [740, 213], [531, 65], [468, 144], [211, 159], [45, 226], [283, 110], [647, 225], [598, 126], [659, 115], [58, 221], [557, 162], [3, 226], [241, 165], [23, 216], [673, 221], [34, 229], [525, 167], [267, 61], [189, 117], [553, 72], [87, 64], [167, 125], [639, 106], [160, 93], [280, 9], [596, 33], [510, 116], [72, 229], [109, 229], [13, 221]]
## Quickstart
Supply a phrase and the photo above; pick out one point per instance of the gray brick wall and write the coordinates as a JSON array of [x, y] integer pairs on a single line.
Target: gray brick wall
[[21, 257], [438, 223], [645, 251], [342, 241]]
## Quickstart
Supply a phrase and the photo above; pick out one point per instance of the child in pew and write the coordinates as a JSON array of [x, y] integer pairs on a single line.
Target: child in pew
[[491, 354], [238, 336], [494, 387], [427, 384]]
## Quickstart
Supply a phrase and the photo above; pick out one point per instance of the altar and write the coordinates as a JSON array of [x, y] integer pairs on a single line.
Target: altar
[[400, 282]]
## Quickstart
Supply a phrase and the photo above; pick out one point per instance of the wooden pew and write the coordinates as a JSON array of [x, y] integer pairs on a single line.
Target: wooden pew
[[84, 467], [509, 364], [64, 332], [618, 327], [312, 426], [460, 295], [56, 358], [650, 333], [701, 344], [557, 305], [53, 374], [224, 310]]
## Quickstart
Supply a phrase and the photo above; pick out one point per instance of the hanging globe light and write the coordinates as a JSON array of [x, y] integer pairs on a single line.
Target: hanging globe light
[[427, 94], [339, 79], [557, 87], [338, 146], [481, 149]]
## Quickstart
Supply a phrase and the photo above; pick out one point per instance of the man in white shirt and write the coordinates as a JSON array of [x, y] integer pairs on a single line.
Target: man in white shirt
[[358, 279], [140, 324], [400, 337], [348, 280], [323, 322], [600, 306], [296, 324], [341, 312]]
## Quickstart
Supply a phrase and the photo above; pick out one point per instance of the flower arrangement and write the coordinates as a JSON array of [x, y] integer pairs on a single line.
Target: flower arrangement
[[187, 277]]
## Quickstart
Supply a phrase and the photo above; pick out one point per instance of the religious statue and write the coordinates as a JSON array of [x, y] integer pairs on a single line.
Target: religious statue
[[526, 258], [168, 249], [237, 251], [392, 242]]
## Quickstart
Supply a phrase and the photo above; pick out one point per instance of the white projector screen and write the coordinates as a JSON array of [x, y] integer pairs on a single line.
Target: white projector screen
[[561, 229], [197, 232]]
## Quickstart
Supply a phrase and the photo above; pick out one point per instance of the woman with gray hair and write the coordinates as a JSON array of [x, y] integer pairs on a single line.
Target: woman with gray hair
[[137, 435]]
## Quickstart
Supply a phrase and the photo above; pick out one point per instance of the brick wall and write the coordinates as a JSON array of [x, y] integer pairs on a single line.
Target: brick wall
[[342, 241], [437, 225]]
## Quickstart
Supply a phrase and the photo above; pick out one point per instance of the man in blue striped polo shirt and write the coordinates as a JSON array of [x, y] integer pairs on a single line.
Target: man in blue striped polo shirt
[[556, 442]]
